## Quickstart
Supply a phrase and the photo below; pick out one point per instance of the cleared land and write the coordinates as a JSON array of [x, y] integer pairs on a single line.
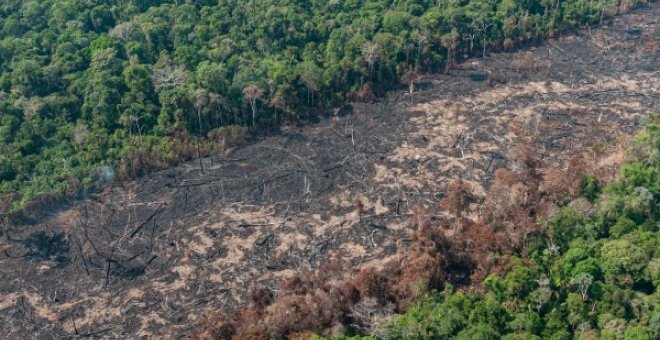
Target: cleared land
[[155, 256]]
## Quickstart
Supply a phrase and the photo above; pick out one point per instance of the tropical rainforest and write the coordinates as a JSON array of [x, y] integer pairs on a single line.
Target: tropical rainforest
[[93, 91]]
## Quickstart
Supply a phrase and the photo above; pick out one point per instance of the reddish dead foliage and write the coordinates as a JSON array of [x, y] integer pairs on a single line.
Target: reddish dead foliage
[[323, 300], [457, 198]]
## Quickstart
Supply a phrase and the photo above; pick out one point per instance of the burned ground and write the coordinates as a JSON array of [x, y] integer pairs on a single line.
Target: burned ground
[[157, 255]]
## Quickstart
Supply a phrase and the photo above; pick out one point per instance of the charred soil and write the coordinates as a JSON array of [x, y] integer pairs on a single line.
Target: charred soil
[[158, 255]]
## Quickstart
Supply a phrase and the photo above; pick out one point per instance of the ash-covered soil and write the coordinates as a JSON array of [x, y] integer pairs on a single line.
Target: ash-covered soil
[[154, 257]]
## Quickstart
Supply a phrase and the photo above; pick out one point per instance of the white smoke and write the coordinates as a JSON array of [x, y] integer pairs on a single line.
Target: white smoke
[[106, 175]]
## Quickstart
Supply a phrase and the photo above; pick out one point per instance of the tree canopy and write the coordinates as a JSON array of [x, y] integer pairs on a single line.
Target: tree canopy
[[87, 85]]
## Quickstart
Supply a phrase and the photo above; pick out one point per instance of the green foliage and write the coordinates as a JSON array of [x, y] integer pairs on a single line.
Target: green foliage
[[623, 226], [590, 188], [439, 314], [565, 226], [478, 331], [525, 323], [592, 286], [639, 333], [83, 84], [622, 257]]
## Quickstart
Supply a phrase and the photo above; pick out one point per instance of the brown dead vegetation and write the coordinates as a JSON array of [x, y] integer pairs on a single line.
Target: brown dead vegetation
[[526, 61], [326, 299], [336, 294], [163, 254]]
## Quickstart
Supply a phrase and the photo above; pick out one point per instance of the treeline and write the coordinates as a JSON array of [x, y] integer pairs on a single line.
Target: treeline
[[553, 255], [91, 89], [593, 271]]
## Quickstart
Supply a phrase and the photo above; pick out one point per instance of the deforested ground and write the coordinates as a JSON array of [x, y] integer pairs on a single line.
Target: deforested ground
[[155, 256]]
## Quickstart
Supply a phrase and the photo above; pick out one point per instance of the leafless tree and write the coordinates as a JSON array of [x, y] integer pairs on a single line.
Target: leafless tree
[[410, 78], [371, 52], [201, 99], [583, 281], [30, 106], [80, 133], [168, 77], [135, 119], [215, 100], [123, 31], [543, 294], [373, 318], [450, 41], [252, 93]]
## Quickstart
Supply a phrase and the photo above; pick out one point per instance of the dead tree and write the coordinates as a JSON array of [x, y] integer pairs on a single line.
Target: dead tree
[[372, 317], [457, 200], [410, 78], [168, 77], [252, 93], [371, 52], [201, 100], [450, 42]]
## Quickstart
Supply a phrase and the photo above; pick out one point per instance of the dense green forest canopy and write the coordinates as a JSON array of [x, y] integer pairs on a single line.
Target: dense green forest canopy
[[91, 88]]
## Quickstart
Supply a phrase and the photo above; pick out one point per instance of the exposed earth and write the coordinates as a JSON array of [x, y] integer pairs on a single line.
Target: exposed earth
[[156, 256]]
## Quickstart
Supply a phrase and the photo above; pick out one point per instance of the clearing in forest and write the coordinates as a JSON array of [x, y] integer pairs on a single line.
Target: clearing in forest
[[156, 255]]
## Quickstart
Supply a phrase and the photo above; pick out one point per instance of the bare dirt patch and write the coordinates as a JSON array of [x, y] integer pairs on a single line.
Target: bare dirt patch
[[152, 257]]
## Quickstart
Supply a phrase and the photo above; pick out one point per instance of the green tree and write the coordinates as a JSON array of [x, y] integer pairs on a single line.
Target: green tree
[[622, 258]]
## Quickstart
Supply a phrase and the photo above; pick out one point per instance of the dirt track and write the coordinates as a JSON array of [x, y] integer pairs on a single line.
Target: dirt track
[[154, 256]]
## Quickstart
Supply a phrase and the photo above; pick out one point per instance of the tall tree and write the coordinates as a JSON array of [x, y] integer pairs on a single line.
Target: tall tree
[[253, 93]]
